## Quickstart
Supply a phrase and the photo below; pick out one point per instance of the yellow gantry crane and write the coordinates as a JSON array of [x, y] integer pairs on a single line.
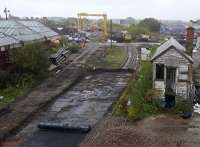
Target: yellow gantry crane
[[80, 23]]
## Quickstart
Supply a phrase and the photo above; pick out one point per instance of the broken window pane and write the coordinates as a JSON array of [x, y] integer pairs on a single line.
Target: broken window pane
[[160, 71]]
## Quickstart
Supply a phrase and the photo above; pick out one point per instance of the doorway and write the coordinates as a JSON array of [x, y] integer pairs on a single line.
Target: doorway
[[3, 58], [170, 91]]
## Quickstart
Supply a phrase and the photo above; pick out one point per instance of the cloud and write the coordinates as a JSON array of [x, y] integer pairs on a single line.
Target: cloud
[[161, 9]]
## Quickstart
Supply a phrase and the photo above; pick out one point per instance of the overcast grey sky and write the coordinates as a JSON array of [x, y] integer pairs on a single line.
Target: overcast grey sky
[[160, 9]]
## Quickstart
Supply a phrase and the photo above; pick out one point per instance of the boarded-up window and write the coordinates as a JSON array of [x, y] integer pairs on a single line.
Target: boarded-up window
[[159, 71], [183, 73], [183, 77], [183, 69]]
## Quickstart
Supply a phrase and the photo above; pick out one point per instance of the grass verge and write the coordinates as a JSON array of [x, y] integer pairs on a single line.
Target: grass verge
[[115, 56], [11, 93], [139, 99]]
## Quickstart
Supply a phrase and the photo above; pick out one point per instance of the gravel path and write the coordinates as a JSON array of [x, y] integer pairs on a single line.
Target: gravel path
[[114, 131]]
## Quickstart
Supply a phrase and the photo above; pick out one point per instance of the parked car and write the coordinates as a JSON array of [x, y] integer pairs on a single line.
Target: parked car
[[113, 41]]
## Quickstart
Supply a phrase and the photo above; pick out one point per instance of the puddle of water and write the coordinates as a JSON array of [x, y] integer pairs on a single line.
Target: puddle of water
[[88, 77], [54, 139]]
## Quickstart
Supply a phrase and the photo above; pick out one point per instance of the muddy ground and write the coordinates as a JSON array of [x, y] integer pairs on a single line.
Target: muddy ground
[[183, 132], [165, 130], [85, 104]]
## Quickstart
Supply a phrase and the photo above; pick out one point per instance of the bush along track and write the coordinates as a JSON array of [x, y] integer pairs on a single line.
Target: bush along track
[[139, 99], [29, 67]]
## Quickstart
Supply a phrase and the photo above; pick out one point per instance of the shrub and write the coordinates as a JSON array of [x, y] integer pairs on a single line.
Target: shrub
[[74, 46], [31, 58], [28, 62], [6, 79], [136, 93], [183, 105]]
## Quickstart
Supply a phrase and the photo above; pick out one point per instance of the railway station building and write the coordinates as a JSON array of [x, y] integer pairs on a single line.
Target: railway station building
[[172, 71]]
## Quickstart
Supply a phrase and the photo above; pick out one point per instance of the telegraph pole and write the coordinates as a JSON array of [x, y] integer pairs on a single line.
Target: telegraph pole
[[6, 12], [111, 33]]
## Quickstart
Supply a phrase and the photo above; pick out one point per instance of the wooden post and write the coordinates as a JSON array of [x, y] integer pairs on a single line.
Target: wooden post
[[110, 33]]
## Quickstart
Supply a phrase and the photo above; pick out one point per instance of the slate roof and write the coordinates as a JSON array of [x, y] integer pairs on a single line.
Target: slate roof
[[14, 31], [167, 45]]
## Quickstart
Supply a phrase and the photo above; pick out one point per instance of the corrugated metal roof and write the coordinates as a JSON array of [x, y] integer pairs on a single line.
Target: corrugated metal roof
[[171, 43], [16, 31], [5, 40], [39, 28]]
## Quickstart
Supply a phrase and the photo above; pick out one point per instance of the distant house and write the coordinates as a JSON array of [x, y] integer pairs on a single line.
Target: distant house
[[116, 21], [172, 71], [16, 33]]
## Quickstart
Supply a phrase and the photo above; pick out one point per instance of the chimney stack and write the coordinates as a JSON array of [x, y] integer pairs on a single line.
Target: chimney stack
[[190, 40]]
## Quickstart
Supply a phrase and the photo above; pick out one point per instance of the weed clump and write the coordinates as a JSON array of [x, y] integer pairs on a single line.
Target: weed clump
[[139, 100]]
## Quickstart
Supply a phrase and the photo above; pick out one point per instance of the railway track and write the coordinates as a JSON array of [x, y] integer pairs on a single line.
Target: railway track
[[91, 48], [131, 62]]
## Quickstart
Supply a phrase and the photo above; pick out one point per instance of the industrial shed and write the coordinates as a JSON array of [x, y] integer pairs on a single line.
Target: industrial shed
[[16, 33], [172, 70]]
